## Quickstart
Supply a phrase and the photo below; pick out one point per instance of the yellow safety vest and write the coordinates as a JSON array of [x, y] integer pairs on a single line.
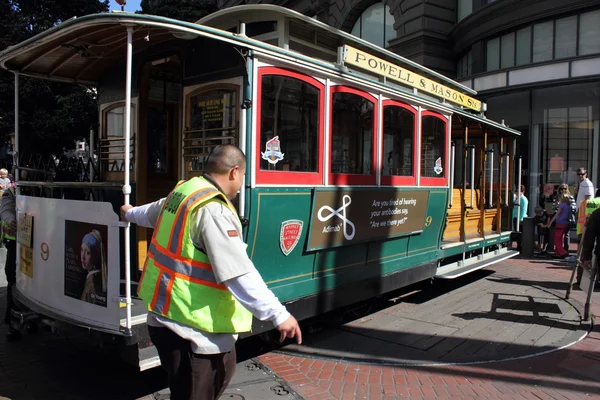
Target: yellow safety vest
[[178, 281], [586, 208], [581, 215]]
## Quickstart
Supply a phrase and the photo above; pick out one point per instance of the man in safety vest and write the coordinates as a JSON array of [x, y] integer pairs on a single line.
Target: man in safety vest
[[9, 227], [198, 283]]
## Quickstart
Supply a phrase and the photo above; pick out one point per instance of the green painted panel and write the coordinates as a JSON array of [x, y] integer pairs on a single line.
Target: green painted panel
[[270, 207], [434, 224], [303, 273]]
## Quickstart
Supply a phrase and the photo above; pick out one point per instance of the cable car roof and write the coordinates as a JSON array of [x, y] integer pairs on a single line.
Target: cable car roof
[[83, 49]]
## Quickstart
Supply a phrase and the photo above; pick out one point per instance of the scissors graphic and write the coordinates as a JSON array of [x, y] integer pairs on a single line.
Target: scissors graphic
[[349, 229]]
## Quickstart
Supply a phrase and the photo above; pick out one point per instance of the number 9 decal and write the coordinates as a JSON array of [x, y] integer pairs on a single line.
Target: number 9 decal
[[45, 254], [428, 220]]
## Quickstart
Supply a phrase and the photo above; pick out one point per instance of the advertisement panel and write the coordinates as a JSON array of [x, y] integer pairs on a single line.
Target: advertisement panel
[[73, 265], [342, 217]]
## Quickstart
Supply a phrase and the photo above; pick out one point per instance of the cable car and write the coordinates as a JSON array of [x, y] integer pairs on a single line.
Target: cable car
[[366, 171]]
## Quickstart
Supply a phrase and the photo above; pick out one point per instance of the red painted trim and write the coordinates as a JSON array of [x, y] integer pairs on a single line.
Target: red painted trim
[[442, 181], [290, 177], [354, 179], [401, 180]]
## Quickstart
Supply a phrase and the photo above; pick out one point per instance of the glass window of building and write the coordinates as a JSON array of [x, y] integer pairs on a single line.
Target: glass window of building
[[566, 37], [463, 68], [398, 141], [376, 25], [565, 118], [523, 46], [542, 41], [493, 54], [352, 128], [289, 125], [465, 8], [507, 53], [589, 33]]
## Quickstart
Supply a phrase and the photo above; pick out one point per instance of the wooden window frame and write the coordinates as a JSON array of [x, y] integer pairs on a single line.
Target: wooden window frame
[[398, 180], [442, 181], [183, 167], [354, 179], [290, 177], [103, 136]]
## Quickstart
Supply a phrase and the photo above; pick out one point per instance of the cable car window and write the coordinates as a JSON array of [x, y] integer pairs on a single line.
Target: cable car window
[[289, 125], [398, 141], [352, 129], [211, 121], [112, 143], [433, 147]]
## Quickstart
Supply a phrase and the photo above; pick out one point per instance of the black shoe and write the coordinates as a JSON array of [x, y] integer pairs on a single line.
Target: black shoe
[[13, 335]]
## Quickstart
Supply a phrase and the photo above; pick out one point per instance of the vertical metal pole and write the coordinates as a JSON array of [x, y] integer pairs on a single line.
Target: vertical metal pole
[[519, 191], [472, 155], [126, 186], [16, 154], [491, 194], [452, 167], [379, 141], [91, 155], [507, 187]]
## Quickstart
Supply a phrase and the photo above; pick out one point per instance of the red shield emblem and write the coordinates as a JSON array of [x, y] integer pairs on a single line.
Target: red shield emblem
[[289, 236]]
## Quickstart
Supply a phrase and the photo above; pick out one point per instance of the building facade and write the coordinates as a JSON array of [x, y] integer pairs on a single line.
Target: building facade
[[535, 62]]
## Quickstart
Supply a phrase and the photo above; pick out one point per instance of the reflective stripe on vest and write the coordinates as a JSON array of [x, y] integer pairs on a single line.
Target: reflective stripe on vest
[[5, 234], [581, 215], [178, 281]]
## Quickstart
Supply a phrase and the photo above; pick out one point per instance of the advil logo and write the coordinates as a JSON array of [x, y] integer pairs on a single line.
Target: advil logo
[[291, 230]]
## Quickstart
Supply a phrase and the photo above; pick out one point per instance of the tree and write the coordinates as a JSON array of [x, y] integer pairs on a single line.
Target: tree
[[184, 10], [52, 115]]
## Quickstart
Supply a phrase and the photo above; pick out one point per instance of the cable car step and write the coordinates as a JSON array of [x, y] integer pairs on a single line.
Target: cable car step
[[148, 358], [457, 269]]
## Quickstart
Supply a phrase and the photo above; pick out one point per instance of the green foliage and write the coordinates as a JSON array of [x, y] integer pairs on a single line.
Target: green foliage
[[185, 10], [52, 115]]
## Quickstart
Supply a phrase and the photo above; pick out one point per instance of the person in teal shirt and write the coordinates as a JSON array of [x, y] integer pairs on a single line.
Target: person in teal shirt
[[520, 212]]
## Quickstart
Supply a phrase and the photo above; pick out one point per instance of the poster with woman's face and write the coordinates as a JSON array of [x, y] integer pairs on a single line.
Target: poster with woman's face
[[86, 272]]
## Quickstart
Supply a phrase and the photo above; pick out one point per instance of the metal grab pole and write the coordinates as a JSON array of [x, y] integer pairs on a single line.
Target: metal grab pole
[[507, 185], [491, 158], [452, 159], [520, 194], [472, 175], [126, 186], [91, 155], [16, 149]]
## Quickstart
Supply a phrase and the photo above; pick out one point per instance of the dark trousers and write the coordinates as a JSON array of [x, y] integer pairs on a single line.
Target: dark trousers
[[192, 376], [10, 268]]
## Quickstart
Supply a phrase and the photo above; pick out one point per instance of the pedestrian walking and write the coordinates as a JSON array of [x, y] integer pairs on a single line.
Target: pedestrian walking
[[198, 283], [585, 189], [561, 217]]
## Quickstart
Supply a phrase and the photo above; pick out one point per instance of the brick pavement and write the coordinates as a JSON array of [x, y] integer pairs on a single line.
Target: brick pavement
[[570, 373]]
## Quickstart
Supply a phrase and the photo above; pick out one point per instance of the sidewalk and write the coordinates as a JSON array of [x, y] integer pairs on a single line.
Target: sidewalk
[[515, 313]]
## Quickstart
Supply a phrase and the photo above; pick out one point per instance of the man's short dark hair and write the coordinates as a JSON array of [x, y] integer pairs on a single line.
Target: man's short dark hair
[[223, 158]]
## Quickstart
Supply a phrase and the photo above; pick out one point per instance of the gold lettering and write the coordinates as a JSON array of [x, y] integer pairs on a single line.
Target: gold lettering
[[381, 67]]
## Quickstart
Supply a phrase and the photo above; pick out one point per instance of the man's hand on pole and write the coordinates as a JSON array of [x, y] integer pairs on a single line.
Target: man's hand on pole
[[124, 210], [290, 329]]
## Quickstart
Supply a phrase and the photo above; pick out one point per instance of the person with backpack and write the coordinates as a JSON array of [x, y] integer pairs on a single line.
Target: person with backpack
[[561, 217]]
